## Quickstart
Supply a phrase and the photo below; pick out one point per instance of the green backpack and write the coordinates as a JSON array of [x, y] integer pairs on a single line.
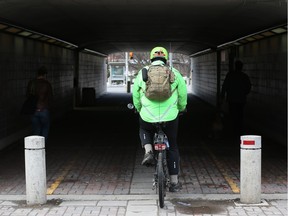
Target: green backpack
[[158, 80]]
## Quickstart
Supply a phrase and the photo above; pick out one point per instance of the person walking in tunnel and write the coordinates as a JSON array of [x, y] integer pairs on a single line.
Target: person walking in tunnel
[[235, 88], [42, 89], [151, 111]]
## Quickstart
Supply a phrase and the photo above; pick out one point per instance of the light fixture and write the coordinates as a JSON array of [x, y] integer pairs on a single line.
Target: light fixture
[[25, 33], [258, 36], [255, 36], [12, 30], [35, 36], [243, 41], [279, 30], [267, 33], [44, 38], [250, 39], [51, 40], [2, 26]]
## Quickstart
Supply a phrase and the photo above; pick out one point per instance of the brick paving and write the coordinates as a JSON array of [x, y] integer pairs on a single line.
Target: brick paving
[[99, 172]]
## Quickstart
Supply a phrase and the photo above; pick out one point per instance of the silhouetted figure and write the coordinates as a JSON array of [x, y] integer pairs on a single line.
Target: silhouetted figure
[[235, 88], [42, 88]]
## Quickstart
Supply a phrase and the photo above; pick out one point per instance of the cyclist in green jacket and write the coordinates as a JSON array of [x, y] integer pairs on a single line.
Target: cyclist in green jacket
[[151, 111]]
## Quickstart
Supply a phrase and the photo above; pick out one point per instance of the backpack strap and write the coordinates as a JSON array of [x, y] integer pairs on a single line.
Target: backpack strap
[[145, 74], [172, 81]]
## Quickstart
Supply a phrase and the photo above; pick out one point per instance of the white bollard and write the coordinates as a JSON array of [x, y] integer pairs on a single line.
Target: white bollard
[[35, 170], [250, 169]]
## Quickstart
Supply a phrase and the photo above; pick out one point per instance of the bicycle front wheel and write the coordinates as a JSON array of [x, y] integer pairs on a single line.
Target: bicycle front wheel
[[161, 180]]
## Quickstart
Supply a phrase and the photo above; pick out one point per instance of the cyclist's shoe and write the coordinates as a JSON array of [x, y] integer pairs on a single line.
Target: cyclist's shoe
[[175, 187], [148, 159]]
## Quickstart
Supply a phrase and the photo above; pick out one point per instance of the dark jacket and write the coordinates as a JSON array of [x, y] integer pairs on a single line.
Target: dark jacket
[[236, 87], [43, 90]]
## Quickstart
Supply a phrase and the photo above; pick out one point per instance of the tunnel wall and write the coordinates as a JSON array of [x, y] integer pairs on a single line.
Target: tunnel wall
[[265, 61], [92, 76], [266, 64], [204, 77], [19, 60]]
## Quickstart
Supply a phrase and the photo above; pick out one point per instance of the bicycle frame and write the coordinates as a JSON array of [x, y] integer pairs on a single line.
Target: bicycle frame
[[161, 176]]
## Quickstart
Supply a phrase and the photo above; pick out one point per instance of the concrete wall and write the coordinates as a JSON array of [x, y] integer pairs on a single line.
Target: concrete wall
[[265, 61], [19, 60]]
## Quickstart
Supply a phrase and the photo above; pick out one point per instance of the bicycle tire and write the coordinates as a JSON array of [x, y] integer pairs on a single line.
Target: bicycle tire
[[161, 180]]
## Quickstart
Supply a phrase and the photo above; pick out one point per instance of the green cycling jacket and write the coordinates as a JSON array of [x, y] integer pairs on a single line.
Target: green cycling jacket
[[157, 111]]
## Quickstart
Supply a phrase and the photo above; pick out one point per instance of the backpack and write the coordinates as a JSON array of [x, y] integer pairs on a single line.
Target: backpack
[[158, 80]]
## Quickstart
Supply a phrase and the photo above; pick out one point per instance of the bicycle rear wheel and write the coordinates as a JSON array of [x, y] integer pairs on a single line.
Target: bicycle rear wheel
[[161, 180]]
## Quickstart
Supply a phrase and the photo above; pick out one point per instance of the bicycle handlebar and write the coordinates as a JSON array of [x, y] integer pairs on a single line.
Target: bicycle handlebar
[[131, 106]]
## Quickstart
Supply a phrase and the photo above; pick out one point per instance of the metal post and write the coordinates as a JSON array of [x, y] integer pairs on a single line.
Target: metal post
[[171, 59], [35, 170], [126, 66], [250, 169], [128, 86]]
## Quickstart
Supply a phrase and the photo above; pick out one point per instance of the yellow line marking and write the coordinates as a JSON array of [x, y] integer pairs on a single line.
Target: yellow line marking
[[58, 181], [220, 166]]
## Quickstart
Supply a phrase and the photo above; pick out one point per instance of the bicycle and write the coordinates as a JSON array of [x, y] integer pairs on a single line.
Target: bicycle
[[161, 179]]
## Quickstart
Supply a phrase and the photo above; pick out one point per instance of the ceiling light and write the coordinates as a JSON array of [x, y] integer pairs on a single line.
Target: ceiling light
[[51, 40], [279, 30], [12, 30], [250, 39], [267, 33], [25, 33], [43, 38], [258, 36], [35, 36], [2, 26], [243, 41]]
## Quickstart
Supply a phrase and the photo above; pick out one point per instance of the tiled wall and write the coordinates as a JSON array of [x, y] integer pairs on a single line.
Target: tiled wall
[[19, 60], [265, 61], [204, 77], [266, 64], [93, 73]]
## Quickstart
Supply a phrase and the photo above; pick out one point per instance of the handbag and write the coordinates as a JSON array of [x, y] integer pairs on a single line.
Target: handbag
[[29, 105]]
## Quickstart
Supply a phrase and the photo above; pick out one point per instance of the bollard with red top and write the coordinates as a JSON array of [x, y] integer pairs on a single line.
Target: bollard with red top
[[250, 169]]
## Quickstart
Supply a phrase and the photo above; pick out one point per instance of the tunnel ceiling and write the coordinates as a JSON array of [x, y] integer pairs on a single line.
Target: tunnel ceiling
[[108, 26]]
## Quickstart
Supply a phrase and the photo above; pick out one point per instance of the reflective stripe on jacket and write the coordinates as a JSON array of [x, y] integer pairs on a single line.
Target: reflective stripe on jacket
[[154, 111]]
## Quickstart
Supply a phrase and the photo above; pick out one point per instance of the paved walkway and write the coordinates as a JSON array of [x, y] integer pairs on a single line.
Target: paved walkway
[[146, 206], [94, 169]]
